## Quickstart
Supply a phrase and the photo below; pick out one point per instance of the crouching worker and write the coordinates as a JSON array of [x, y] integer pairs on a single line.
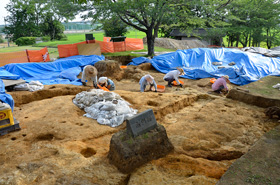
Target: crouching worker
[[147, 80], [106, 82], [173, 75], [220, 85], [89, 74]]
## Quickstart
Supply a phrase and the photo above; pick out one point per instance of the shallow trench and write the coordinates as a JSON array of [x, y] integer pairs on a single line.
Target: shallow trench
[[208, 134]]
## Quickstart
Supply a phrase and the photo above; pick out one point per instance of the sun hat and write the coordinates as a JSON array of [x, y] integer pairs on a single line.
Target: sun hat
[[181, 71], [90, 70], [226, 77], [149, 78], [102, 80]]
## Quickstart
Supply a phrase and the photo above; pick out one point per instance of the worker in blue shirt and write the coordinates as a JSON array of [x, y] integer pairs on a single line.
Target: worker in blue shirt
[[147, 80]]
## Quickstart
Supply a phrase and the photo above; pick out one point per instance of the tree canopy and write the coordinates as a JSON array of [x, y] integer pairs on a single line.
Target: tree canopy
[[148, 15], [35, 17]]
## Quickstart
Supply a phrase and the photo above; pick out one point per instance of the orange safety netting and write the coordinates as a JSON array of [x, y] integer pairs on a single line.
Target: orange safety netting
[[41, 55], [133, 44], [106, 46], [13, 57], [68, 50]]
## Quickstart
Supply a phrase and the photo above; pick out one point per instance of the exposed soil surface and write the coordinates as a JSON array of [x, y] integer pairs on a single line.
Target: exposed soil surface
[[177, 44], [57, 145]]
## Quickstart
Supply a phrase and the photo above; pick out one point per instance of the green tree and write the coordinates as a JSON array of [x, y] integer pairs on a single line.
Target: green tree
[[22, 20], [119, 28], [26, 17], [52, 27], [143, 15], [254, 21]]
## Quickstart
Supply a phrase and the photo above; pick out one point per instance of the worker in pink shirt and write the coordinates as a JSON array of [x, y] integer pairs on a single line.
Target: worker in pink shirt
[[220, 84]]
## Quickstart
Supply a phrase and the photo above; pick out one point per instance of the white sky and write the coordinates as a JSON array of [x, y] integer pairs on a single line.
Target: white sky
[[4, 13]]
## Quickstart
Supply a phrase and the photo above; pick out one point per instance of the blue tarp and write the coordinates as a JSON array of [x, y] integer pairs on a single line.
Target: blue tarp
[[61, 71], [6, 75], [197, 64], [6, 98]]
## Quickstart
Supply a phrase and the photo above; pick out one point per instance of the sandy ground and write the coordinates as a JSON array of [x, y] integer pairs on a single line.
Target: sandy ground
[[57, 145]]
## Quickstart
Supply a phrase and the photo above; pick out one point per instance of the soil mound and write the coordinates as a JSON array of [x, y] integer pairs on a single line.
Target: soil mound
[[177, 44], [109, 68]]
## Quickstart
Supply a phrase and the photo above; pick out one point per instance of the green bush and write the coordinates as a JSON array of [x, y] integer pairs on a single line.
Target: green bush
[[62, 37], [1, 40], [24, 41], [46, 38]]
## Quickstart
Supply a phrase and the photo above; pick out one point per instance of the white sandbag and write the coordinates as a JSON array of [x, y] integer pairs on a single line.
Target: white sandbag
[[31, 86], [22, 87], [277, 86], [108, 108]]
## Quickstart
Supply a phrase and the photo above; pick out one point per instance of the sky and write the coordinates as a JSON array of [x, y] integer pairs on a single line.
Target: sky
[[4, 13]]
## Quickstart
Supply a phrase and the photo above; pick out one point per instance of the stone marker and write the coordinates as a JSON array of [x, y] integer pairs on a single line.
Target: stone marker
[[143, 141], [141, 123]]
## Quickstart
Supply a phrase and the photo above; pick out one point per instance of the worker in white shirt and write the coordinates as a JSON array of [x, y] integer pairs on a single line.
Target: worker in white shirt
[[89, 74], [173, 75], [147, 80]]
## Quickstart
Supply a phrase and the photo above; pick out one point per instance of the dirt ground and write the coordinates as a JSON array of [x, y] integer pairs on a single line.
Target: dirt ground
[[57, 145]]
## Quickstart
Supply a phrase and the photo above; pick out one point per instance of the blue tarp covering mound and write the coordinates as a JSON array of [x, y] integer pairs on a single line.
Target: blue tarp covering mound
[[6, 98], [61, 71], [197, 63]]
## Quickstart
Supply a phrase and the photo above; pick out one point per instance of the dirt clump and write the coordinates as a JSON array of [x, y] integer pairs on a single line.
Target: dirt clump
[[109, 68], [123, 60], [133, 73], [273, 111], [145, 66]]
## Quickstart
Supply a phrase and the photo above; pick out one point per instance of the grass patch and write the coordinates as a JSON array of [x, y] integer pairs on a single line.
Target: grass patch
[[80, 37], [258, 179], [264, 87], [225, 41]]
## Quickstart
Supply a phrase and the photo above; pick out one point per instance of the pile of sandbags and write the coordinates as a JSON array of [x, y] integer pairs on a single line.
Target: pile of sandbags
[[108, 108]]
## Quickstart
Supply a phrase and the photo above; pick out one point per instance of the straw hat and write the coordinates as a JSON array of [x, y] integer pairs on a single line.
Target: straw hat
[[181, 71], [91, 70], [226, 77]]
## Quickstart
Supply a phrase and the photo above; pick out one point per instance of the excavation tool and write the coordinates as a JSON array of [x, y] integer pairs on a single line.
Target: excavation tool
[[7, 122]]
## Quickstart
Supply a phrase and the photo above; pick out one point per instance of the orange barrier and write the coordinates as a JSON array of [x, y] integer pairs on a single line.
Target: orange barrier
[[119, 46], [106, 46], [90, 41], [134, 44], [68, 50], [41, 55], [13, 57], [213, 80], [106, 39], [175, 83]]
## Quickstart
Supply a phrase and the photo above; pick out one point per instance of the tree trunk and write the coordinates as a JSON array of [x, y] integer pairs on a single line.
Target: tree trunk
[[150, 42], [237, 41], [250, 40]]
